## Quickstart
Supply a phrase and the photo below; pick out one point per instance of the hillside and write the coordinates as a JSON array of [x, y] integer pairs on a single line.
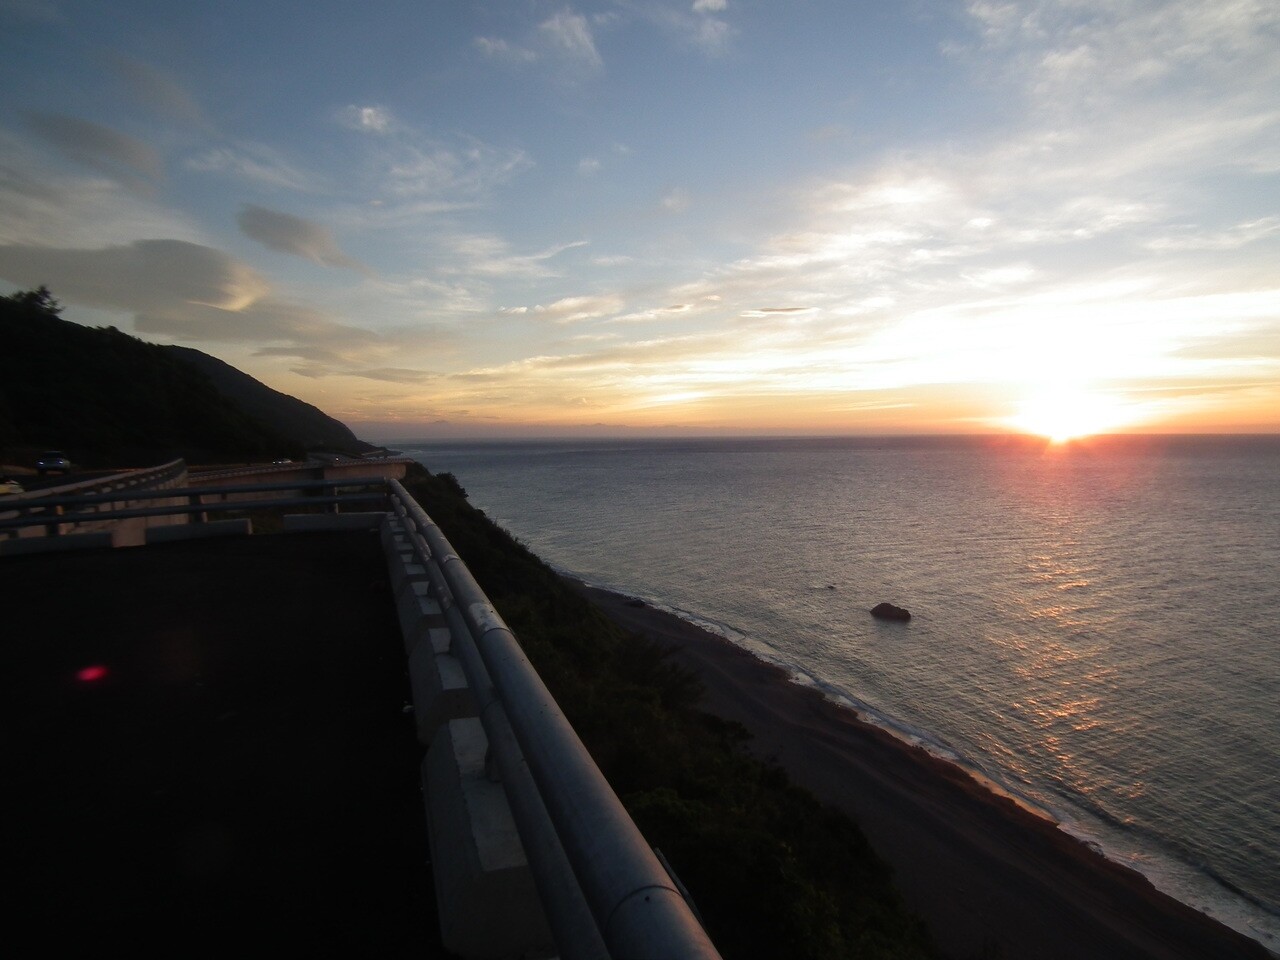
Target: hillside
[[110, 399], [308, 425]]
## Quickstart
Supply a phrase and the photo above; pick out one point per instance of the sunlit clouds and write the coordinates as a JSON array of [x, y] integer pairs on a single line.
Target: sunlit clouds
[[674, 216]]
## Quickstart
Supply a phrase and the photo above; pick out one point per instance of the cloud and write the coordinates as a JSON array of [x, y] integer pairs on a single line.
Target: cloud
[[699, 27], [258, 164], [393, 374], [490, 256], [192, 292], [434, 169], [1234, 237], [145, 276], [997, 277], [675, 200], [652, 314], [283, 329], [42, 205], [569, 35], [157, 90], [578, 309], [1093, 54], [117, 155], [564, 40], [499, 49], [290, 234], [370, 119]]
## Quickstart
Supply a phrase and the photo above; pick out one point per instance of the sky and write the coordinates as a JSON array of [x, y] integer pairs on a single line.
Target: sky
[[634, 217]]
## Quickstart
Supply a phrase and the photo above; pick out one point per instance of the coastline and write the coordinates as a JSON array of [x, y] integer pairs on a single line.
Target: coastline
[[985, 873]]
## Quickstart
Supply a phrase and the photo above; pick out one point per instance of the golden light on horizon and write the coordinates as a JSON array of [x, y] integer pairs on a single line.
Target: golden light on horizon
[[1068, 412]]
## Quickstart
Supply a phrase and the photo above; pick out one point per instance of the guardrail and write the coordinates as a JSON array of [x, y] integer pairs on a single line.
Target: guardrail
[[318, 468], [605, 892], [120, 488], [633, 907], [61, 510]]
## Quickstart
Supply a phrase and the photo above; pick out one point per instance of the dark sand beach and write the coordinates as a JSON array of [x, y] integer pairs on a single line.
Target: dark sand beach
[[984, 873]]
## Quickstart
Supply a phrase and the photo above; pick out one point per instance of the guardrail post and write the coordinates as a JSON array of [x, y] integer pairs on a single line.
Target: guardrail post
[[53, 528]]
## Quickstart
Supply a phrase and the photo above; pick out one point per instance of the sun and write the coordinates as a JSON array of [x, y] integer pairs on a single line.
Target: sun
[[1065, 413]]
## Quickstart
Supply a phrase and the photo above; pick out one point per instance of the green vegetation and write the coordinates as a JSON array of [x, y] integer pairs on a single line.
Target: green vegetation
[[773, 872]]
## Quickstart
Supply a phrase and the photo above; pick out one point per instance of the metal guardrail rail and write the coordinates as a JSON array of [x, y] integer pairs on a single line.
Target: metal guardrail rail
[[120, 488], [637, 908], [68, 508]]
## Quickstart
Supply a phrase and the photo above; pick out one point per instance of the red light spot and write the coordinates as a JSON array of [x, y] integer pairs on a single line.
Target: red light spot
[[92, 674]]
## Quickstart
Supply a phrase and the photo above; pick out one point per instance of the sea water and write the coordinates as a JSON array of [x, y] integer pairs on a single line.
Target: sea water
[[1095, 627]]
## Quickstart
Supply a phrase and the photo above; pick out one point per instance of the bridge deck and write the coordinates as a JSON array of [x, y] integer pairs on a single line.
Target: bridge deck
[[204, 751]]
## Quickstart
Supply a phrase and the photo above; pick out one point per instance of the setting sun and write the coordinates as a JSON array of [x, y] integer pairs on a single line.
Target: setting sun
[[1066, 413]]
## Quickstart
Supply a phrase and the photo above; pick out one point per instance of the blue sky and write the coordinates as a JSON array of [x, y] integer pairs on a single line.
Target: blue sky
[[717, 216]]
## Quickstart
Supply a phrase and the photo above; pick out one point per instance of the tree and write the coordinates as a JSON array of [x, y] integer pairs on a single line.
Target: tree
[[39, 299]]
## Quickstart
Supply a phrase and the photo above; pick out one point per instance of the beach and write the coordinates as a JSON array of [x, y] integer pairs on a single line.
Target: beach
[[987, 875]]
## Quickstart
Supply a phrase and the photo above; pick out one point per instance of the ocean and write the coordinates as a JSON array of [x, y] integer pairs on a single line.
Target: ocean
[[1095, 627]]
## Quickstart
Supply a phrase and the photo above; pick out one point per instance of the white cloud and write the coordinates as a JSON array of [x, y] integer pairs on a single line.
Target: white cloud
[[564, 42], [501, 50], [675, 200], [414, 168], [1234, 237], [370, 119], [258, 164], [490, 256], [998, 277], [1095, 53], [578, 309], [588, 166], [698, 27], [569, 35]]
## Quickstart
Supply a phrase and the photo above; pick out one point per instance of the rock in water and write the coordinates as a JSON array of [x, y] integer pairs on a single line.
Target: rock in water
[[887, 611]]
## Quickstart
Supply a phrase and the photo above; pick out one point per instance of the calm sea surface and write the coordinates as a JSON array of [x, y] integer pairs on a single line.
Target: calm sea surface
[[1096, 629]]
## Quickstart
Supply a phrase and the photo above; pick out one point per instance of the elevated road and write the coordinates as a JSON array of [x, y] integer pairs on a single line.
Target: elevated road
[[206, 754], [220, 733]]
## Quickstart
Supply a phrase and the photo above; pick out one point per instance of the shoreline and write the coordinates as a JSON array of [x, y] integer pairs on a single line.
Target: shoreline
[[982, 870]]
